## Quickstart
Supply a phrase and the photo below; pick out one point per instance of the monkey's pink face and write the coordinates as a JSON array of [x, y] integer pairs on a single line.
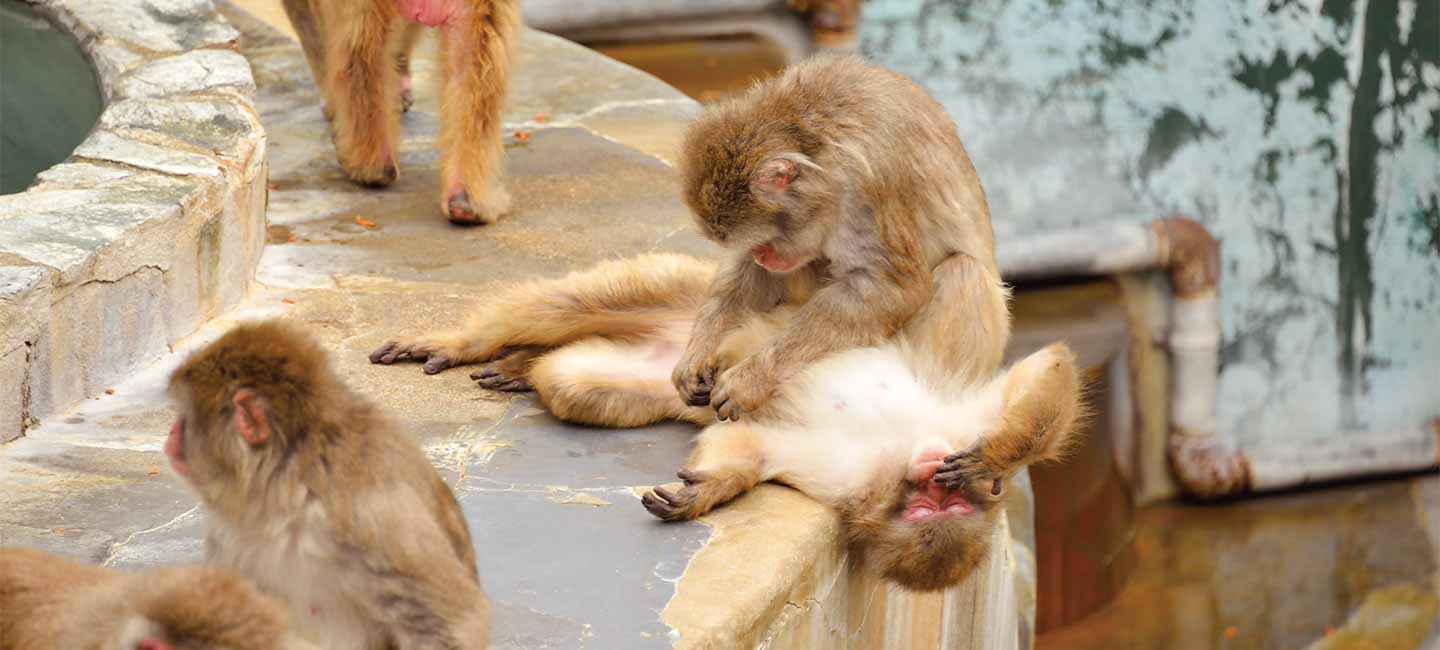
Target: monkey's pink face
[[929, 500], [432, 13], [175, 448]]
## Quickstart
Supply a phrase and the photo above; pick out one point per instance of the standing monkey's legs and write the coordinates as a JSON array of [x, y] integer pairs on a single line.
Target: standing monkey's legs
[[474, 74], [359, 88], [409, 34], [307, 21]]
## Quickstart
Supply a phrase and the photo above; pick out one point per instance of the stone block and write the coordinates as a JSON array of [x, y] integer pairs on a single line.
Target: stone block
[[14, 393], [219, 127], [154, 25], [104, 145], [200, 70]]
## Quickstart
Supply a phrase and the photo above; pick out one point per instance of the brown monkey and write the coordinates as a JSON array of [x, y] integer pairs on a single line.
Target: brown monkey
[[49, 603], [359, 51], [913, 454], [842, 189], [318, 497]]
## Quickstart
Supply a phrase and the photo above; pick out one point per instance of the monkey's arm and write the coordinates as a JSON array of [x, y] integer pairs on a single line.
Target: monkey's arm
[[1042, 407], [421, 589], [861, 306], [740, 288]]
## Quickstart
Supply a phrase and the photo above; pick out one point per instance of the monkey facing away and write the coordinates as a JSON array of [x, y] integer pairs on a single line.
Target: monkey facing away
[[320, 499], [359, 50], [913, 455], [51, 603], [841, 189]]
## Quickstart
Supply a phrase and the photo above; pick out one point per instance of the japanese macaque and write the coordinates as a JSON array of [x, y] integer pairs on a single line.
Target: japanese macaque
[[914, 455], [51, 603], [320, 499], [843, 190], [359, 52]]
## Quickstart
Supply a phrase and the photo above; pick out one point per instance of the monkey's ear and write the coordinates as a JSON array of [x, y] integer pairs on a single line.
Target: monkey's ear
[[774, 176], [250, 417]]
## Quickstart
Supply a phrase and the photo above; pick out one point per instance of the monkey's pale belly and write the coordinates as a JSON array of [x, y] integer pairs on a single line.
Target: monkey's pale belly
[[864, 410]]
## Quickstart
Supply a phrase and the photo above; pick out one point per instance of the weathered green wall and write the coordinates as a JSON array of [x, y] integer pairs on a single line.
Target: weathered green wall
[[1304, 134]]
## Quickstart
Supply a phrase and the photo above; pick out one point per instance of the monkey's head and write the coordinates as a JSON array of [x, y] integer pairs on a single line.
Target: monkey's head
[[202, 608], [919, 533], [751, 184], [245, 402]]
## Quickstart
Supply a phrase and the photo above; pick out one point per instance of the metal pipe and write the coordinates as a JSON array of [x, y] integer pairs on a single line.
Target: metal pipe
[[1208, 463]]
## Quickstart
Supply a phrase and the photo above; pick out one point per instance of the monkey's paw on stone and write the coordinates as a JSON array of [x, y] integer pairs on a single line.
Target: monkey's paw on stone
[[668, 505], [495, 376], [414, 350], [968, 468]]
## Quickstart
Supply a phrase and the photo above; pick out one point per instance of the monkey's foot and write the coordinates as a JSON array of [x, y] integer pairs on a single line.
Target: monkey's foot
[[466, 209], [436, 355], [701, 493], [378, 171], [407, 94], [969, 469], [496, 376]]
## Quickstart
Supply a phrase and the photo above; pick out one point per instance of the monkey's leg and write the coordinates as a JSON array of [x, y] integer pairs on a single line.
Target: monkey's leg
[[619, 298], [360, 91], [475, 70], [966, 324], [601, 382], [509, 371], [1041, 406], [409, 34], [305, 17], [726, 464]]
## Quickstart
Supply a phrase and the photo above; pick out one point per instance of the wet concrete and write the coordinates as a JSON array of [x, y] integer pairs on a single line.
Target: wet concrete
[[1351, 567]]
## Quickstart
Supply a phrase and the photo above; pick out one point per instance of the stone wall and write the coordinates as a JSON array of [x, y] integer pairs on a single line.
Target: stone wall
[[154, 225]]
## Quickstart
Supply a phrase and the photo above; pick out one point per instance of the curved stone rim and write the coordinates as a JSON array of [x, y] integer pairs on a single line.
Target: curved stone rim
[[151, 226]]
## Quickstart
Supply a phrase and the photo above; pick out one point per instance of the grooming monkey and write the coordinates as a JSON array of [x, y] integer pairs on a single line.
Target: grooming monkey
[[318, 497], [841, 189], [914, 455], [359, 52], [50, 603]]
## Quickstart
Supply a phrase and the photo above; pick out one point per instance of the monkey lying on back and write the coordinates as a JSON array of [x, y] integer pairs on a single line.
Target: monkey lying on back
[[318, 497], [50, 603], [914, 456]]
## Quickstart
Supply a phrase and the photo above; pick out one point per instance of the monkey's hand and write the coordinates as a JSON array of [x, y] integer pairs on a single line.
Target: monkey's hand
[[969, 470], [742, 389], [694, 379]]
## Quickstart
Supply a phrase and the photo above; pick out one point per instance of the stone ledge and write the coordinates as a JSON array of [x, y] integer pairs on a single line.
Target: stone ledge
[[155, 223]]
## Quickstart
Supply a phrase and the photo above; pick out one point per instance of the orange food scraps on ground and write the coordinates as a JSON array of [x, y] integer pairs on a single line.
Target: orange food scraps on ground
[[292, 239], [522, 136], [364, 222], [1231, 632], [274, 186], [153, 472], [1329, 630], [109, 391], [59, 530], [540, 117], [287, 301]]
